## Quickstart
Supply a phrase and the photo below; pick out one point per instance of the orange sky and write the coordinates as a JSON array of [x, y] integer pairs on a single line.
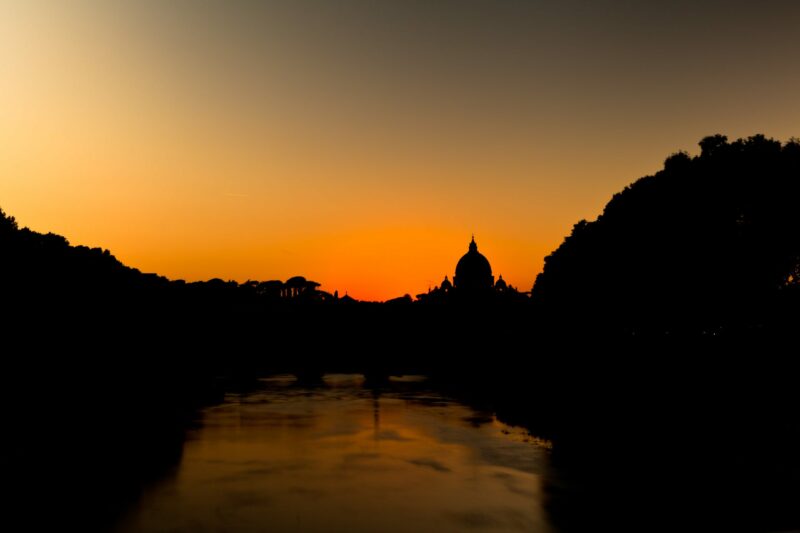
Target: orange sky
[[361, 144]]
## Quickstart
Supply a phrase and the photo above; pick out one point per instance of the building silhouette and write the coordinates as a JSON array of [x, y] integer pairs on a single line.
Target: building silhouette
[[473, 280]]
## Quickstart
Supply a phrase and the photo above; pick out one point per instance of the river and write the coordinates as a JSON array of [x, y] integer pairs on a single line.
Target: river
[[341, 456]]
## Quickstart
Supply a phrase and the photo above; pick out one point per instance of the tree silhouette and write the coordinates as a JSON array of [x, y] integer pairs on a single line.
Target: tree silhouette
[[705, 244], [8, 224]]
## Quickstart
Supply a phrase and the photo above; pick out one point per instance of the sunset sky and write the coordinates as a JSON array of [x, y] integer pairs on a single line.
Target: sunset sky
[[361, 143]]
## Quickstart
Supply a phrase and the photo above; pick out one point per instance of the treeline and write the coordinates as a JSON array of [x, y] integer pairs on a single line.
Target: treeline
[[708, 245], [39, 271]]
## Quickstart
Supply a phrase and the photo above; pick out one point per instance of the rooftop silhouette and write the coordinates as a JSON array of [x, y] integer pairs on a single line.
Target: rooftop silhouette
[[473, 282]]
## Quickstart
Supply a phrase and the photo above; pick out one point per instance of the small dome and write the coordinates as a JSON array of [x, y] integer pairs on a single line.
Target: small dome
[[473, 271], [501, 284], [446, 284]]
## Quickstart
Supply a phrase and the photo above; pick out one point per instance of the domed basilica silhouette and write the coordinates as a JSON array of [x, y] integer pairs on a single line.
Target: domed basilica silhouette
[[473, 280], [473, 271]]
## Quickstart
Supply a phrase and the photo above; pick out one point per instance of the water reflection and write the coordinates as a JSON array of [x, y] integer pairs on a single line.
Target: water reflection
[[342, 457]]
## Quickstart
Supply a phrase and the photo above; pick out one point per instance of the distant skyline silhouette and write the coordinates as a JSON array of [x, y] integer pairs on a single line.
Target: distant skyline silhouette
[[358, 144], [716, 192], [730, 251]]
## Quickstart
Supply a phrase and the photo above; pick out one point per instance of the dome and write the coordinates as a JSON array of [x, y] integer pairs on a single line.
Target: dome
[[473, 271]]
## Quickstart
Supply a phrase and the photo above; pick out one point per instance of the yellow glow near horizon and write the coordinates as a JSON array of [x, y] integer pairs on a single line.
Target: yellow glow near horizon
[[355, 147]]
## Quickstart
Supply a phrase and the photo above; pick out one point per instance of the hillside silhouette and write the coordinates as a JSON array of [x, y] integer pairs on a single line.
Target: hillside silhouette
[[707, 244]]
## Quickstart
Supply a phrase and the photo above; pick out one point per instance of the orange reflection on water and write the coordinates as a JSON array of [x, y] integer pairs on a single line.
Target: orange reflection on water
[[344, 458]]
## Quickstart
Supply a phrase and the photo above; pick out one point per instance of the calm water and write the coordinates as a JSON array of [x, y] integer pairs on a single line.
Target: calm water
[[342, 457]]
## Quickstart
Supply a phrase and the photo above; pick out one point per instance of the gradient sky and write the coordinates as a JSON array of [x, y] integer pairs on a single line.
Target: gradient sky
[[361, 143]]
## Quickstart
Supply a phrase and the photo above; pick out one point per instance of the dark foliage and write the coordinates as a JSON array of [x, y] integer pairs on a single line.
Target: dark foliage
[[709, 243]]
